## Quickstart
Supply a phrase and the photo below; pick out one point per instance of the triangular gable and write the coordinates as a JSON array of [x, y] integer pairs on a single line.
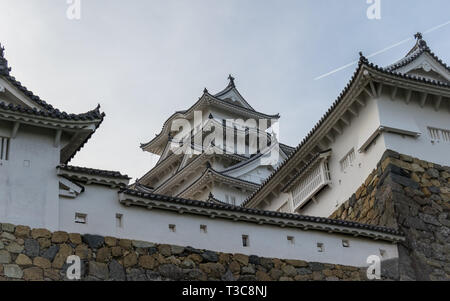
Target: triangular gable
[[426, 66], [420, 61], [232, 95], [9, 94]]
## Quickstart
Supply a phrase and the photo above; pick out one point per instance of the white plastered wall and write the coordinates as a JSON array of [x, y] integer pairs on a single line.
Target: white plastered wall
[[101, 205]]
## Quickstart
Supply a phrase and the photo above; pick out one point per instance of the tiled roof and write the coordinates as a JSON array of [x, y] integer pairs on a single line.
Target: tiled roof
[[273, 214], [49, 110], [93, 172], [420, 47], [209, 171], [363, 62], [286, 148], [211, 98], [94, 115]]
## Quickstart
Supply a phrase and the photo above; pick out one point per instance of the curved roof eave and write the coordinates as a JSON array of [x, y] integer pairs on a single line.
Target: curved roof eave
[[206, 97]]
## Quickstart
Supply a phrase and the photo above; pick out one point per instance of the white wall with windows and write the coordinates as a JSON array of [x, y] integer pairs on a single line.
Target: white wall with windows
[[100, 206], [348, 168], [433, 125], [419, 131]]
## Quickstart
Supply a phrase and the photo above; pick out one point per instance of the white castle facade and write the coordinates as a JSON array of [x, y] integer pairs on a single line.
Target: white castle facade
[[224, 183]]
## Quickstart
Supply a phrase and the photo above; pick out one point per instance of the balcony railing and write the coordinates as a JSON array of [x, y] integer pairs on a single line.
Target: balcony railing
[[312, 182]]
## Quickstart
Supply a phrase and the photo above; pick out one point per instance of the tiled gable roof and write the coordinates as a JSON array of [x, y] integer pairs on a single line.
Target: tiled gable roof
[[94, 172]]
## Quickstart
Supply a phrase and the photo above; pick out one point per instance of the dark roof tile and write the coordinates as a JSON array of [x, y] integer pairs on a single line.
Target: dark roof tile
[[94, 172]]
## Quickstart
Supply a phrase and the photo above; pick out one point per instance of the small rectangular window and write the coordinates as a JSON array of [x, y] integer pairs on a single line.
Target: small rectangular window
[[245, 241], [172, 227], [348, 160], [119, 220], [320, 247], [439, 134], [4, 149], [80, 218], [203, 228], [291, 240]]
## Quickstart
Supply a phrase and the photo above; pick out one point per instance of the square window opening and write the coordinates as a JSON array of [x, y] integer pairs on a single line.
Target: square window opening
[[80, 218]]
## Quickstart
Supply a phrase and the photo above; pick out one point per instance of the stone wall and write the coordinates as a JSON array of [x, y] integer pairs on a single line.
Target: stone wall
[[412, 196], [38, 254]]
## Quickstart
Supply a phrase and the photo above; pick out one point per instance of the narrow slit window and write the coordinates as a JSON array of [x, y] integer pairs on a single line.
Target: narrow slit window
[[245, 241], [80, 218], [119, 220], [4, 149]]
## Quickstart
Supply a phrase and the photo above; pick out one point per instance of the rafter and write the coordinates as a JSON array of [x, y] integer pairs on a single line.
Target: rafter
[[438, 103], [57, 141], [380, 88], [423, 99], [394, 93], [372, 87], [15, 129], [351, 110], [368, 93], [408, 96], [360, 102], [345, 120], [331, 138], [336, 128]]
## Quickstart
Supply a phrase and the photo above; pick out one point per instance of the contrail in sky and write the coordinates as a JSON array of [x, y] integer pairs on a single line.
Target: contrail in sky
[[381, 51]]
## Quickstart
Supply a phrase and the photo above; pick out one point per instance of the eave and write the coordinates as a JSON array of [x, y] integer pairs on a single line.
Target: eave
[[206, 99], [203, 156], [81, 126], [93, 176], [210, 175]]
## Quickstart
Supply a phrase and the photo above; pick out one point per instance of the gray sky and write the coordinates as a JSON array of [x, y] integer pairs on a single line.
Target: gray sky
[[143, 60]]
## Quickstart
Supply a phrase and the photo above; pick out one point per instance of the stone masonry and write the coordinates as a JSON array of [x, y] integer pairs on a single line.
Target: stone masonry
[[37, 254], [412, 196]]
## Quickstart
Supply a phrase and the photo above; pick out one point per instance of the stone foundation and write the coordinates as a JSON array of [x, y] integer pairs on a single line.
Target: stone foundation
[[38, 254], [412, 196]]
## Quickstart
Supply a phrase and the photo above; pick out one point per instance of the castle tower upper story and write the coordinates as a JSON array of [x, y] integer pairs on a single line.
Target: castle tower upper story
[[219, 149]]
